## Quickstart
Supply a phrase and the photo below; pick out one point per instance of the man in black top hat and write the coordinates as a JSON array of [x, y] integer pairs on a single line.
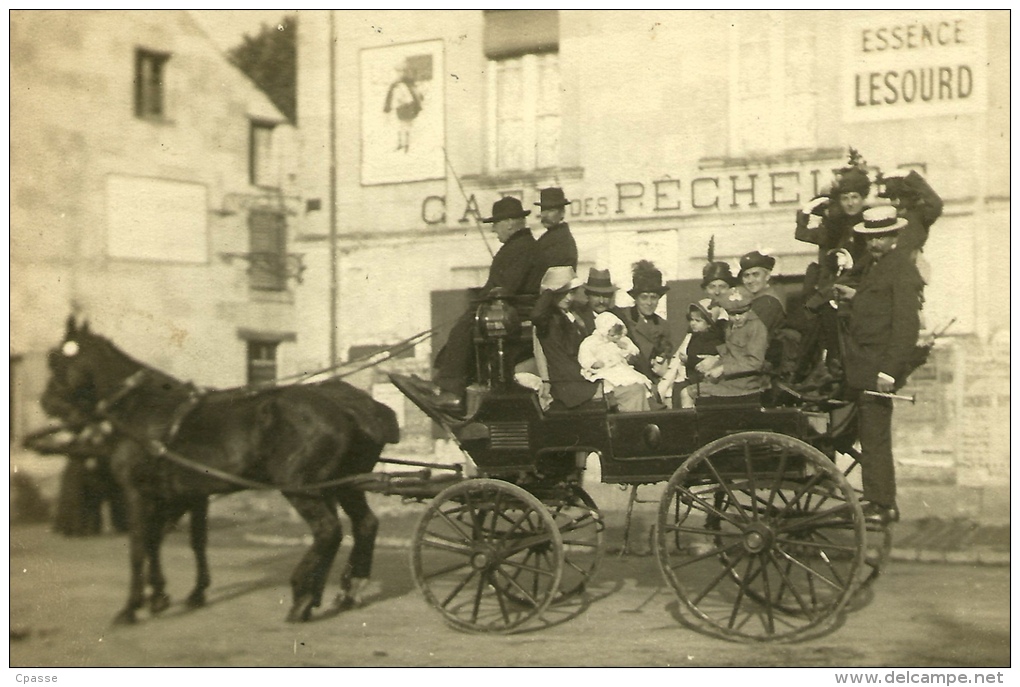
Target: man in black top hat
[[880, 350], [556, 246], [515, 271]]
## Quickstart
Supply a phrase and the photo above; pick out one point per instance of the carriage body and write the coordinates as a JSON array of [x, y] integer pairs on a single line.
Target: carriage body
[[759, 531]]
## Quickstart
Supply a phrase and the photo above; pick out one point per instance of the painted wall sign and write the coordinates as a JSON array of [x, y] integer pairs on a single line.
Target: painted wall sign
[[914, 64], [722, 192], [402, 113]]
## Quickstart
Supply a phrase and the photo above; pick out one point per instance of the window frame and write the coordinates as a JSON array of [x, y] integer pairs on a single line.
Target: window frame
[[531, 68], [255, 366], [255, 162], [150, 101], [785, 101]]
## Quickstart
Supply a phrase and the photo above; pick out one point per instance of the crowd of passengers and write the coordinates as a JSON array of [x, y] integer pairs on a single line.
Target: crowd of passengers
[[587, 349]]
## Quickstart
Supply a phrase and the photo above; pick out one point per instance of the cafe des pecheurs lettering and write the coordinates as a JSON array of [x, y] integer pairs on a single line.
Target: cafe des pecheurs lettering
[[745, 190]]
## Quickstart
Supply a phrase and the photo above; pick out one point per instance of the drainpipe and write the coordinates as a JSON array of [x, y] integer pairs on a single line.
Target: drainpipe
[[334, 295]]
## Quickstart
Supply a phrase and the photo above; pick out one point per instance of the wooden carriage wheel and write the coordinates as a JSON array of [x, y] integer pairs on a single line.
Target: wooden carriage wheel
[[761, 536], [581, 527], [488, 556]]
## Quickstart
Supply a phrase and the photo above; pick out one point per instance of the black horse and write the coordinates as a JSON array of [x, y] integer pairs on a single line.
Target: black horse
[[175, 446]]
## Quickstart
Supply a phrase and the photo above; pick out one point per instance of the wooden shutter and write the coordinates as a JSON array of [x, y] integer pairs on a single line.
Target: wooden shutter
[[268, 248]]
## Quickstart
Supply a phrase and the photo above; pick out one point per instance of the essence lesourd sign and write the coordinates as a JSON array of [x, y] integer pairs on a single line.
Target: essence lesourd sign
[[914, 64]]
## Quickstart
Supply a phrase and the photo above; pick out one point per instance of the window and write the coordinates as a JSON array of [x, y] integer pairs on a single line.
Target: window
[[524, 89], [773, 89], [260, 154], [262, 361], [267, 232], [150, 87]]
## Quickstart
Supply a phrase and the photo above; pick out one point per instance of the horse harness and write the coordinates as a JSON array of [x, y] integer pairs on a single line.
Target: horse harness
[[159, 447]]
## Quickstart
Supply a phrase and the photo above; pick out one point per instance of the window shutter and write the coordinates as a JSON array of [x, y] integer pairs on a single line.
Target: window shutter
[[268, 246], [510, 33]]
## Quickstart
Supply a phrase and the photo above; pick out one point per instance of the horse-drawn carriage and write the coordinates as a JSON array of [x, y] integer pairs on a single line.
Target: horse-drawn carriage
[[759, 530]]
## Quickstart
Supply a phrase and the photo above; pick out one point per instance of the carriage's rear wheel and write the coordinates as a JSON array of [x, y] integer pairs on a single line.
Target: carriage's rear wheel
[[488, 556], [581, 527], [761, 537]]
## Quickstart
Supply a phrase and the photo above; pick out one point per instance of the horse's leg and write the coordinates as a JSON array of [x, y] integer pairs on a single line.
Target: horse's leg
[[140, 516], [159, 601], [359, 563], [199, 520], [309, 577]]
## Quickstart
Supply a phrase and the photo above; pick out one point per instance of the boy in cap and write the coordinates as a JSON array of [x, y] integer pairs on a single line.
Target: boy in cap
[[730, 373], [881, 341]]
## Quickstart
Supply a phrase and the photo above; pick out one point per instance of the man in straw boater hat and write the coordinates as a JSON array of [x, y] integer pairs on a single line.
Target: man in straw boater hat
[[514, 270], [556, 246], [601, 293], [879, 354]]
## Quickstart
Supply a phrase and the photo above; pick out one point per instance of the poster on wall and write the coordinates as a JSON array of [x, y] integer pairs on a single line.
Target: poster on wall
[[402, 113]]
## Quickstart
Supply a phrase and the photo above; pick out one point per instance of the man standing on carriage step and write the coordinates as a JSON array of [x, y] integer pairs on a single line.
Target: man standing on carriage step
[[879, 350], [556, 246], [515, 270]]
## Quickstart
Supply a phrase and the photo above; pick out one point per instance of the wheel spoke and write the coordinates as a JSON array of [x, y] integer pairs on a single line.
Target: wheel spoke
[[709, 508], [768, 598], [703, 556], [456, 590], [446, 570], [780, 473], [813, 521], [455, 525], [747, 579], [700, 530], [726, 487], [531, 597], [788, 584], [808, 569], [727, 571], [750, 481]]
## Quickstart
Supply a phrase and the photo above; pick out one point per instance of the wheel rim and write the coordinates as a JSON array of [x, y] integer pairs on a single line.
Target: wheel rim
[[761, 537], [487, 555]]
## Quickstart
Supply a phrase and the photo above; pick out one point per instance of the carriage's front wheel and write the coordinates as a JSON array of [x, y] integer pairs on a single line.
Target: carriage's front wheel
[[761, 537], [487, 555]]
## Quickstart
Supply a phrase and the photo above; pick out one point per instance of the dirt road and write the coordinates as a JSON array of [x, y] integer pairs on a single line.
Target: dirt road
[[65, 591]]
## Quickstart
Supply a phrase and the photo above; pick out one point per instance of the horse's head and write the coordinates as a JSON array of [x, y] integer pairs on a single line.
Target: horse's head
[[82, 372]]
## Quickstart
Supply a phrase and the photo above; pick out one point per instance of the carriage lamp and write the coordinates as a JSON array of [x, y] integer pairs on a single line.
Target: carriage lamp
[[496, 318]]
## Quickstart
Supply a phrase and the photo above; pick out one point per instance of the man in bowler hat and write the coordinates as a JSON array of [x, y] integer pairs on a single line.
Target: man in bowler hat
[[515, 271], [556, 246], [880, 350], [601, 293]]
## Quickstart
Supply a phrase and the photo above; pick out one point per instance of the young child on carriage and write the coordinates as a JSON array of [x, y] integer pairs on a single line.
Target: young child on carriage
[[704, 338], [605, 355], [734, 373]]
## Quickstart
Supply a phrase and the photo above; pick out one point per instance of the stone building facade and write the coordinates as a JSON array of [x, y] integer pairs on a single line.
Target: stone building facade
[[665, 129], [152, 192]]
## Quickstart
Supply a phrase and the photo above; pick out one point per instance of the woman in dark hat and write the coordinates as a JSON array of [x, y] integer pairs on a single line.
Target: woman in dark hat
[[646, 328]]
